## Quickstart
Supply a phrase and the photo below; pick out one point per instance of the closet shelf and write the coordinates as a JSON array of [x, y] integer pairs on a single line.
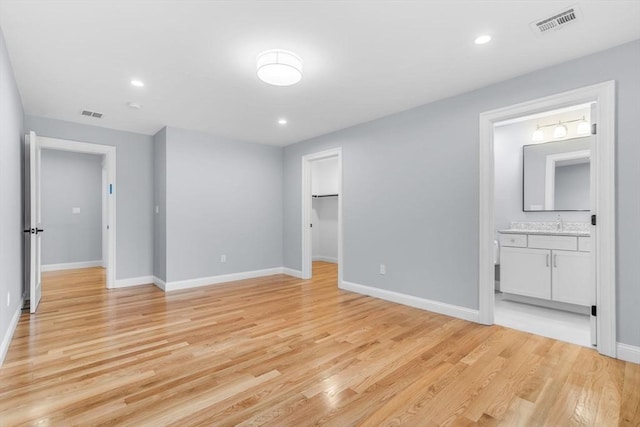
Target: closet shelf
[[317, 196]]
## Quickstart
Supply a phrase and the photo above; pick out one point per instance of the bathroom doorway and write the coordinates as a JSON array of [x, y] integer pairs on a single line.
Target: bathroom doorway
[[542, 210], [601, 253]]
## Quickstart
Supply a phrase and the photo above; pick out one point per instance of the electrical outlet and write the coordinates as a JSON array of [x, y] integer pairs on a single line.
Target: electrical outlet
[[157, 209], [223, 258], [383, 269], [8, 299]]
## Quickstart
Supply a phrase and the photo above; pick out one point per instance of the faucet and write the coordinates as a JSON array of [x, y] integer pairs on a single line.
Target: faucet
[[559, 224]]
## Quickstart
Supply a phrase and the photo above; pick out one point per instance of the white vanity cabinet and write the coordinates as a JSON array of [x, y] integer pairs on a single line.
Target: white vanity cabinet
[[548, 267]]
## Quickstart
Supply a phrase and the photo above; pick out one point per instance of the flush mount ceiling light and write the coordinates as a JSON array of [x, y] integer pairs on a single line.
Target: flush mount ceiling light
[[279, 67], [485, 38]]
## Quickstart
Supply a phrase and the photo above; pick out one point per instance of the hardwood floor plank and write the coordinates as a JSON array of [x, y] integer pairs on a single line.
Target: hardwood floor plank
[[288, 352]]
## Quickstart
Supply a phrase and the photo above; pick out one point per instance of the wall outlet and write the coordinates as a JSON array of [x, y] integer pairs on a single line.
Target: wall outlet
[[8, 299], [383, 269], [75, 210], [223, 258], [157, 209]]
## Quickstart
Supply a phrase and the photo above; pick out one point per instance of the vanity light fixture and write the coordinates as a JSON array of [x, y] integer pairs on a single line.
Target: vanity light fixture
[[279, 67], [560, 131], [584, 128]]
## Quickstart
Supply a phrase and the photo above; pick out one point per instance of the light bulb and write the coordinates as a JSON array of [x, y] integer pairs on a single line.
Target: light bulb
[[584, 128], [538, 135], [560, 131]]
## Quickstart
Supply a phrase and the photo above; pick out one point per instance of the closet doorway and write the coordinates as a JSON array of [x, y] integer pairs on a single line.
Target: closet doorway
[[322, 210]]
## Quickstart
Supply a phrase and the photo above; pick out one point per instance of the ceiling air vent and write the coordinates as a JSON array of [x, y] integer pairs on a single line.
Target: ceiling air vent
[[557, 21], [92, 114]]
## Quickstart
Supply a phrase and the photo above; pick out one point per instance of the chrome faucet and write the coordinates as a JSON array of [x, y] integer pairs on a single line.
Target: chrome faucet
[[559, 224]]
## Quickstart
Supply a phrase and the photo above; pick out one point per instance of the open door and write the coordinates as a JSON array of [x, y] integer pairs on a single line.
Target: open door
[[593, 183], [32, 220]]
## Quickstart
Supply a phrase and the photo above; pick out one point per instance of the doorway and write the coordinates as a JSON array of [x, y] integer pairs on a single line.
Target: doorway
[[601, 262], [542, 211], [322, 210], [33, 186]]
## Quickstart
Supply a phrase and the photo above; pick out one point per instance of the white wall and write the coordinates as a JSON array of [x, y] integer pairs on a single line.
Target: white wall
[[71, 180], [324, 210]]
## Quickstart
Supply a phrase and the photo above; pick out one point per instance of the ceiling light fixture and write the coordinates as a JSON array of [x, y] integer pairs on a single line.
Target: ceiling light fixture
[[137, 83], [282, 121], [279, 67], [482, 39]]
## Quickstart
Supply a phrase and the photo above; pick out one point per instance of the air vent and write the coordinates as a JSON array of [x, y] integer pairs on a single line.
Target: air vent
[[557, 21], [92, 114]]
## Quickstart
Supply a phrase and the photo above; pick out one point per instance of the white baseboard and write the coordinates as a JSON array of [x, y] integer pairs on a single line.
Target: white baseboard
[[159, 283], [6, 340], [413, 301], [292, 272], [133, 281], [325, 259], [213, 280], [71, 265], [628, 353]]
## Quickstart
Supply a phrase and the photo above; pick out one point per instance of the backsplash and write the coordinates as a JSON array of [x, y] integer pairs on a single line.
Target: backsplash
[[581, 227]]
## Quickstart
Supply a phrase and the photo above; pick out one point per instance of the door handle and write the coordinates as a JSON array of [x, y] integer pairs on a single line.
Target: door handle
[[547, 260], [39, 230]]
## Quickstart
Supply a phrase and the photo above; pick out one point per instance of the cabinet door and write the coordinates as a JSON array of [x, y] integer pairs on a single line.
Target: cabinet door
[[526, 272], [572, 278]]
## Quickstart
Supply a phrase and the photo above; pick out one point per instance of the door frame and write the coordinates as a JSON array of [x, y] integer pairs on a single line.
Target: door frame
[[603, 258], [306, 210], [109, 164]]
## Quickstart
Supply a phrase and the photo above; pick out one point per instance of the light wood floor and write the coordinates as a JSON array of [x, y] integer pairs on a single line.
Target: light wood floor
[[287, 352]]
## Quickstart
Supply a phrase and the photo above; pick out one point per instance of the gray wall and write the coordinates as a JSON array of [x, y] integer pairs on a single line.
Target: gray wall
[[71, 180], [160, 209], [11, 221], [133, 190], [222, 197], [410, 187]]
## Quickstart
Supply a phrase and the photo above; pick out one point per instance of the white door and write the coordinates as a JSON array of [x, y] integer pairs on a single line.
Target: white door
[[33, 226], [593, 183]]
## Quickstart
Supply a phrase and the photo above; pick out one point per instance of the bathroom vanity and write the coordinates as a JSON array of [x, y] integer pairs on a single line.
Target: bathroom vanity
[[547, 264]]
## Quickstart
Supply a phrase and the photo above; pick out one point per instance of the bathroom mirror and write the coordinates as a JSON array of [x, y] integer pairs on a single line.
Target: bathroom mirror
[[556, 175]]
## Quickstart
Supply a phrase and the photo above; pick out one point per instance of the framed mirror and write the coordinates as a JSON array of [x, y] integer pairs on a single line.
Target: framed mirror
[[556, 175]]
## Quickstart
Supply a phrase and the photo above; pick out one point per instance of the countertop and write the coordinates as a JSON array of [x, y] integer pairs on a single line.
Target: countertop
[[577, 233]]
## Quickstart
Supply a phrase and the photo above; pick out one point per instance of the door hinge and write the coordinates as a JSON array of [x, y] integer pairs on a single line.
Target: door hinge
[[594, 311], [593, 220], [594, 128]]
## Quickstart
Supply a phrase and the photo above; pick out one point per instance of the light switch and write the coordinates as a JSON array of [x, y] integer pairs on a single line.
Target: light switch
[[157, 209], [75, 210]]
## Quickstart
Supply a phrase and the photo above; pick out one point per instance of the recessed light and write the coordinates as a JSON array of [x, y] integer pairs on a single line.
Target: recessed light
[[282, 121], [482, 39], [134, 105], [137, 83]]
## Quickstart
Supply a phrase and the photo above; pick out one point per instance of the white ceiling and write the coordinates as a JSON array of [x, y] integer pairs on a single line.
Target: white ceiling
[[362, 59]]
